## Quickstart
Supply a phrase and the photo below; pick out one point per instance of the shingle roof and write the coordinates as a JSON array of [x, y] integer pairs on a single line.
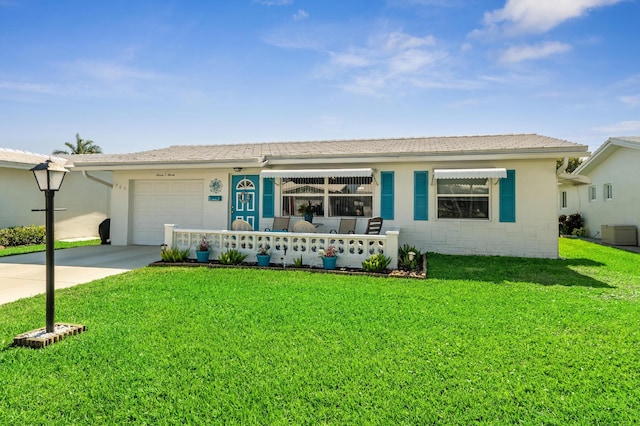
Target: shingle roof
[[335, 149], [635, 139], [605, 150], [23, 159]]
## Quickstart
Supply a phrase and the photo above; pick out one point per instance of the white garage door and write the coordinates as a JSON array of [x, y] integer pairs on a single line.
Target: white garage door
[[157, 202]]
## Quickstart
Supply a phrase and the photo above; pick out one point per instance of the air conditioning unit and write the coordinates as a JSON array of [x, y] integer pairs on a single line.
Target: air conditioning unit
[[619, 235]]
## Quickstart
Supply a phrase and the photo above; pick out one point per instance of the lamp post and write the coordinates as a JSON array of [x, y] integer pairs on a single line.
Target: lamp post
[[49, 176]]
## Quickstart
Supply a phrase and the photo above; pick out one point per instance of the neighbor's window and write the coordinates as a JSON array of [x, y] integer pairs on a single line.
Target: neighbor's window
[[563, 199], [340, 196], [607, 191], [592, 193], [463, 198]]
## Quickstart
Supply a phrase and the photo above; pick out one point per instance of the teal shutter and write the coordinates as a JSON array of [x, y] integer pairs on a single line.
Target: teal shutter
[[508, 197], [268, 197], [420, 195], [386, 195]]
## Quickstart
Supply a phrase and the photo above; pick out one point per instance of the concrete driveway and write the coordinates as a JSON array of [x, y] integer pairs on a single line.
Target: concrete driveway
[[25, 275]]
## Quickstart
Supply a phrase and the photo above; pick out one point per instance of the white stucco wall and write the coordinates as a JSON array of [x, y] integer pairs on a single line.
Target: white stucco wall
[[215, 214], [620, 169], [534, 234], [86, 203]]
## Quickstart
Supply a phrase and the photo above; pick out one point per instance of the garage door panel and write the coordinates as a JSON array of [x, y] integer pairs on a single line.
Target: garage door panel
[[156, 203]]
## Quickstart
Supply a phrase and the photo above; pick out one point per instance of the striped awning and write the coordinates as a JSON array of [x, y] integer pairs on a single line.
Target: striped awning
[[316, 173], [497, 173]]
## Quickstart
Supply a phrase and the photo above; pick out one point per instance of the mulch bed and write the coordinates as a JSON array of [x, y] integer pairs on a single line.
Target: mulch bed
[[342, 271]]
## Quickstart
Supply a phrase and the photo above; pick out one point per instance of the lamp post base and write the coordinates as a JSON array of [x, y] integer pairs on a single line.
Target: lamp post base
[[40, 338]]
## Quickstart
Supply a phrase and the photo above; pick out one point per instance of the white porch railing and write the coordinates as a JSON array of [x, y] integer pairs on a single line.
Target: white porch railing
[[285, 247]]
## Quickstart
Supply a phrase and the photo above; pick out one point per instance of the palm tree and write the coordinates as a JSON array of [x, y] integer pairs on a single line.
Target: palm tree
[[81, 147]]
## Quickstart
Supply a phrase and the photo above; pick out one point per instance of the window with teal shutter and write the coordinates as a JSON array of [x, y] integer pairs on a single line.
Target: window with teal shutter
[[386, 195], [420, 195], [508, 197], [268, 197]]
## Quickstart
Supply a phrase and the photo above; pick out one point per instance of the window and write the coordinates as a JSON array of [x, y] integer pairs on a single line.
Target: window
[[607, 191], [563, 199], [593, 194], [335, 196], [463, 198]]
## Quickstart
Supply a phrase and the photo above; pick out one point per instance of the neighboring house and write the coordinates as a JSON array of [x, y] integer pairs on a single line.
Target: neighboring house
[[486, 195], [86, 202], [604, 187]]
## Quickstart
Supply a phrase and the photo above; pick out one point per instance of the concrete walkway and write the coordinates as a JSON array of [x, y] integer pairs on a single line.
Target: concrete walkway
[[25, 275], [633, 249]]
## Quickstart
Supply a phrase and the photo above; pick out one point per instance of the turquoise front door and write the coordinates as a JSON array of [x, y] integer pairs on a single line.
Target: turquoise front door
[[244, 198]]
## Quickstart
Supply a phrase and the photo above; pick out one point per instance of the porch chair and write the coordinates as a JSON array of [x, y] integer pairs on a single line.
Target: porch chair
[[304, 226], [279, 224], [241, 225], [374, 226], [347, 226]]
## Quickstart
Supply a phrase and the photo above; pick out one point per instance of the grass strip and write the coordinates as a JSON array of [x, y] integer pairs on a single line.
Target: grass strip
[[11, 251]]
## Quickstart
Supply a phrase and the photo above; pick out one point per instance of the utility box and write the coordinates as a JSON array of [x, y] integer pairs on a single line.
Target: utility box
[[619, 235]]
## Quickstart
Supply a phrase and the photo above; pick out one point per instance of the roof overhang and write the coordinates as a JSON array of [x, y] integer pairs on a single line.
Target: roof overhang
[[491, 173], [316, 173], [572, 179]]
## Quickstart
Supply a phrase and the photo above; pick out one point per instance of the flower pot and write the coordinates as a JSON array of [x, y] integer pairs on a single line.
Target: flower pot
[[263, 259], [329, 262], [308, 217], [202, 256]]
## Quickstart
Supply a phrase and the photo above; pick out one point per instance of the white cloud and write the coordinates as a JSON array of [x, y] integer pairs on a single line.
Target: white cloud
[[28, 87], [273, 2], [400, 41], [109, 71], [527, 52], [349, 60], [300, 15], [620, 127], [387, 60], [411, 61], [539, 16], [631, 100]]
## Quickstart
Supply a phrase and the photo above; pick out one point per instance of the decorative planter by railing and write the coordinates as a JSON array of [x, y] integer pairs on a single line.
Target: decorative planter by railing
[[285, 247]]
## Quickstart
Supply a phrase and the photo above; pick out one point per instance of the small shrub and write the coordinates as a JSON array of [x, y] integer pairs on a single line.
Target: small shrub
[[232, 257], [409, 262], [376, 263], [22, 236], [569, 223], [580, 232], [298, 262], [174, 254]]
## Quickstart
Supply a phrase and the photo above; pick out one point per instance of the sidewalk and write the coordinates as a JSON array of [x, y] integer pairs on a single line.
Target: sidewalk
[[633, 249]]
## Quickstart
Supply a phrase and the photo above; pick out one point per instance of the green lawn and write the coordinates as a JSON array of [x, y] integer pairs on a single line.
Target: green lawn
[[483, 340], [10, 251]]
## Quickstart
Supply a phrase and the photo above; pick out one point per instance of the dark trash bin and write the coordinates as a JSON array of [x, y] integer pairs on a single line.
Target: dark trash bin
[[104, 230]]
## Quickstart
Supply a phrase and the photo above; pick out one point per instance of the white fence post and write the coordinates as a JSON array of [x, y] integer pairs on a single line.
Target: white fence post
[[392, 248], [168, 234]]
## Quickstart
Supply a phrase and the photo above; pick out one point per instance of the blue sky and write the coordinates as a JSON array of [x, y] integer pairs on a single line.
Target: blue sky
[[138, 75]]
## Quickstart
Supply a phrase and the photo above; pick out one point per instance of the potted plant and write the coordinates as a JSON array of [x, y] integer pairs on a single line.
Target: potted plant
[[202, 252], [263, 256], [329, 257], [307, 210]]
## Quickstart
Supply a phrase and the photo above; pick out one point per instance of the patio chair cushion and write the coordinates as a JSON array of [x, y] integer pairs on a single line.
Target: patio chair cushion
[[304, 226], [241, 225], [279, 224]]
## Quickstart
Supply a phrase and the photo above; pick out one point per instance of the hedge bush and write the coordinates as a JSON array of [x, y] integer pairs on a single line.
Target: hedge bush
[[22, 236]]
